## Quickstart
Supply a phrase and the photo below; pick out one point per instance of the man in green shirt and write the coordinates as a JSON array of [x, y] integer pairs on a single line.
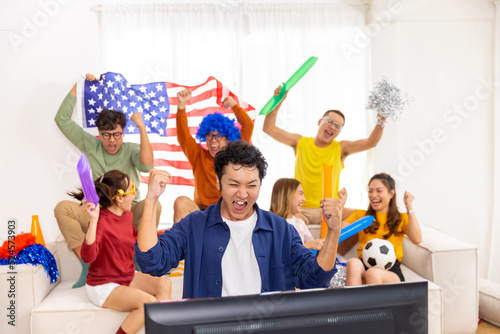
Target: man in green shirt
[[104, 153]]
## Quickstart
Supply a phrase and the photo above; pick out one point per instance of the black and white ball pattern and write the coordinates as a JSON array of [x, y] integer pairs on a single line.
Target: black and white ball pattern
[[379, 253]]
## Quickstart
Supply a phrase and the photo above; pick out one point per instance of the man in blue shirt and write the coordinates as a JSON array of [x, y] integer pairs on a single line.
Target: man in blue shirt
[[234, 247]]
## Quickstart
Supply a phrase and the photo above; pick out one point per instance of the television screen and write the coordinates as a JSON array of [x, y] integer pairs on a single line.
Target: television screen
[[386, 308]]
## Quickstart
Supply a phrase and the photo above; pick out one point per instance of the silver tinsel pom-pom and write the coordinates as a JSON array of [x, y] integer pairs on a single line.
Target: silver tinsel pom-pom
[[338, 280], [388, 101]]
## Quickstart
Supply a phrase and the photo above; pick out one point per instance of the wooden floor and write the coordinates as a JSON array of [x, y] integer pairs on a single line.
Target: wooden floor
[[487, 328]]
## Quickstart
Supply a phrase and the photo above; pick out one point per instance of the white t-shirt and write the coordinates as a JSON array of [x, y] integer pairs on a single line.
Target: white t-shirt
[[240, 270]]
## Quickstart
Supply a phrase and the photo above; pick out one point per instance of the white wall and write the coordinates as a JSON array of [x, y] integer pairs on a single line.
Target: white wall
[[43, 46], [442, 53]]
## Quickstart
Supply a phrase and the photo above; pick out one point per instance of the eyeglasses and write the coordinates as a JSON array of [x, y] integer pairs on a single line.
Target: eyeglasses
[[331, 122], [107, 135], [216, 136], [122, 193]]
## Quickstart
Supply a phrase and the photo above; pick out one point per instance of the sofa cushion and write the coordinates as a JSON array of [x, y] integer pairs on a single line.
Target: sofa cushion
[[489, 301], [68, 310]]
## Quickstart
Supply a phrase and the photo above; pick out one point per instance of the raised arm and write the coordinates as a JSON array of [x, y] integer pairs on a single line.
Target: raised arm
[[147, 236], [89, 249], [242, 117], [146, 150], [413, 231], [68, 127], [332, 211], [278, 134], [89, 77], [349, 147], [73, 90], [187, 143]]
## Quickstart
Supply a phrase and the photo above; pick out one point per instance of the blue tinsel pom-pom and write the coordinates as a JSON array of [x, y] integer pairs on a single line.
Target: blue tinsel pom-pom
[[36, 254]]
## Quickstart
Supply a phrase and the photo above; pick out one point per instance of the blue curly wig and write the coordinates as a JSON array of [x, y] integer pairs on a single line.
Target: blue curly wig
[[220, 123]]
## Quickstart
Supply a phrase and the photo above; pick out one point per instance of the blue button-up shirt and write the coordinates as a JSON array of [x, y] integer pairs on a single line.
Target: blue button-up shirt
[[201, 238]]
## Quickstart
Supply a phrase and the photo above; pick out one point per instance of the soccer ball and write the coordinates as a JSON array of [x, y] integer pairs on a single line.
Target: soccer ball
[[379, 253]]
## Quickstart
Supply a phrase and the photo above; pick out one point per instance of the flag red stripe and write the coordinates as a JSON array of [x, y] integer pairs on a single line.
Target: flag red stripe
[[173, 163], [174, 85], [200, 97], [204, 111], [174, 180], [173, 131], [166, 147]]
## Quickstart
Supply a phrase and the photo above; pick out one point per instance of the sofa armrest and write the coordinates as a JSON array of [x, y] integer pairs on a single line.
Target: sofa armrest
[[22, 288], [453, 265]]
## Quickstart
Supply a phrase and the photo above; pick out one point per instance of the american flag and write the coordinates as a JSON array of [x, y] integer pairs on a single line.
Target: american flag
[[113, 92], [158, 104]]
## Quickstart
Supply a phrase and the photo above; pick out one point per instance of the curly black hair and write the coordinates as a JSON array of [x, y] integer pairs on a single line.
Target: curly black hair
[[240, 153], [107, 120]]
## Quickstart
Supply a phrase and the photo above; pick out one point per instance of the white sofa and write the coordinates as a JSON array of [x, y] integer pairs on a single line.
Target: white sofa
[[452, 265], [31, 286], [451, 268], [68, 310], [448, 264], [489, 301]]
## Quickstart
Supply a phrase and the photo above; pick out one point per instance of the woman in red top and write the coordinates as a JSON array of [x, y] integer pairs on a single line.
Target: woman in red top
[[109, 248]]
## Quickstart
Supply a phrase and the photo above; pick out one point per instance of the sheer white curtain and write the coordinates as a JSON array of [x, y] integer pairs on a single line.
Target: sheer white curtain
[[251, 47], [494, 246]]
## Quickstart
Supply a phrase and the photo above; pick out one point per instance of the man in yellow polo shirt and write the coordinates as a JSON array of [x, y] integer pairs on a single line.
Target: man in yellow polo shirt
[[311, 153]]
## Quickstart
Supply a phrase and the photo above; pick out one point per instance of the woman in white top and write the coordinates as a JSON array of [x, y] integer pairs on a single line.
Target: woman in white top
[[286, 201]]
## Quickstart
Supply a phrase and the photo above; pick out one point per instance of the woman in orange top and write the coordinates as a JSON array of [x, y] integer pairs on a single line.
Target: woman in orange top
[[389, 224]]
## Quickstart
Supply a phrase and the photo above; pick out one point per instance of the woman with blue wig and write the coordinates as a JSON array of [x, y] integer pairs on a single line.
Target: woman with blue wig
[[216, 130]]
